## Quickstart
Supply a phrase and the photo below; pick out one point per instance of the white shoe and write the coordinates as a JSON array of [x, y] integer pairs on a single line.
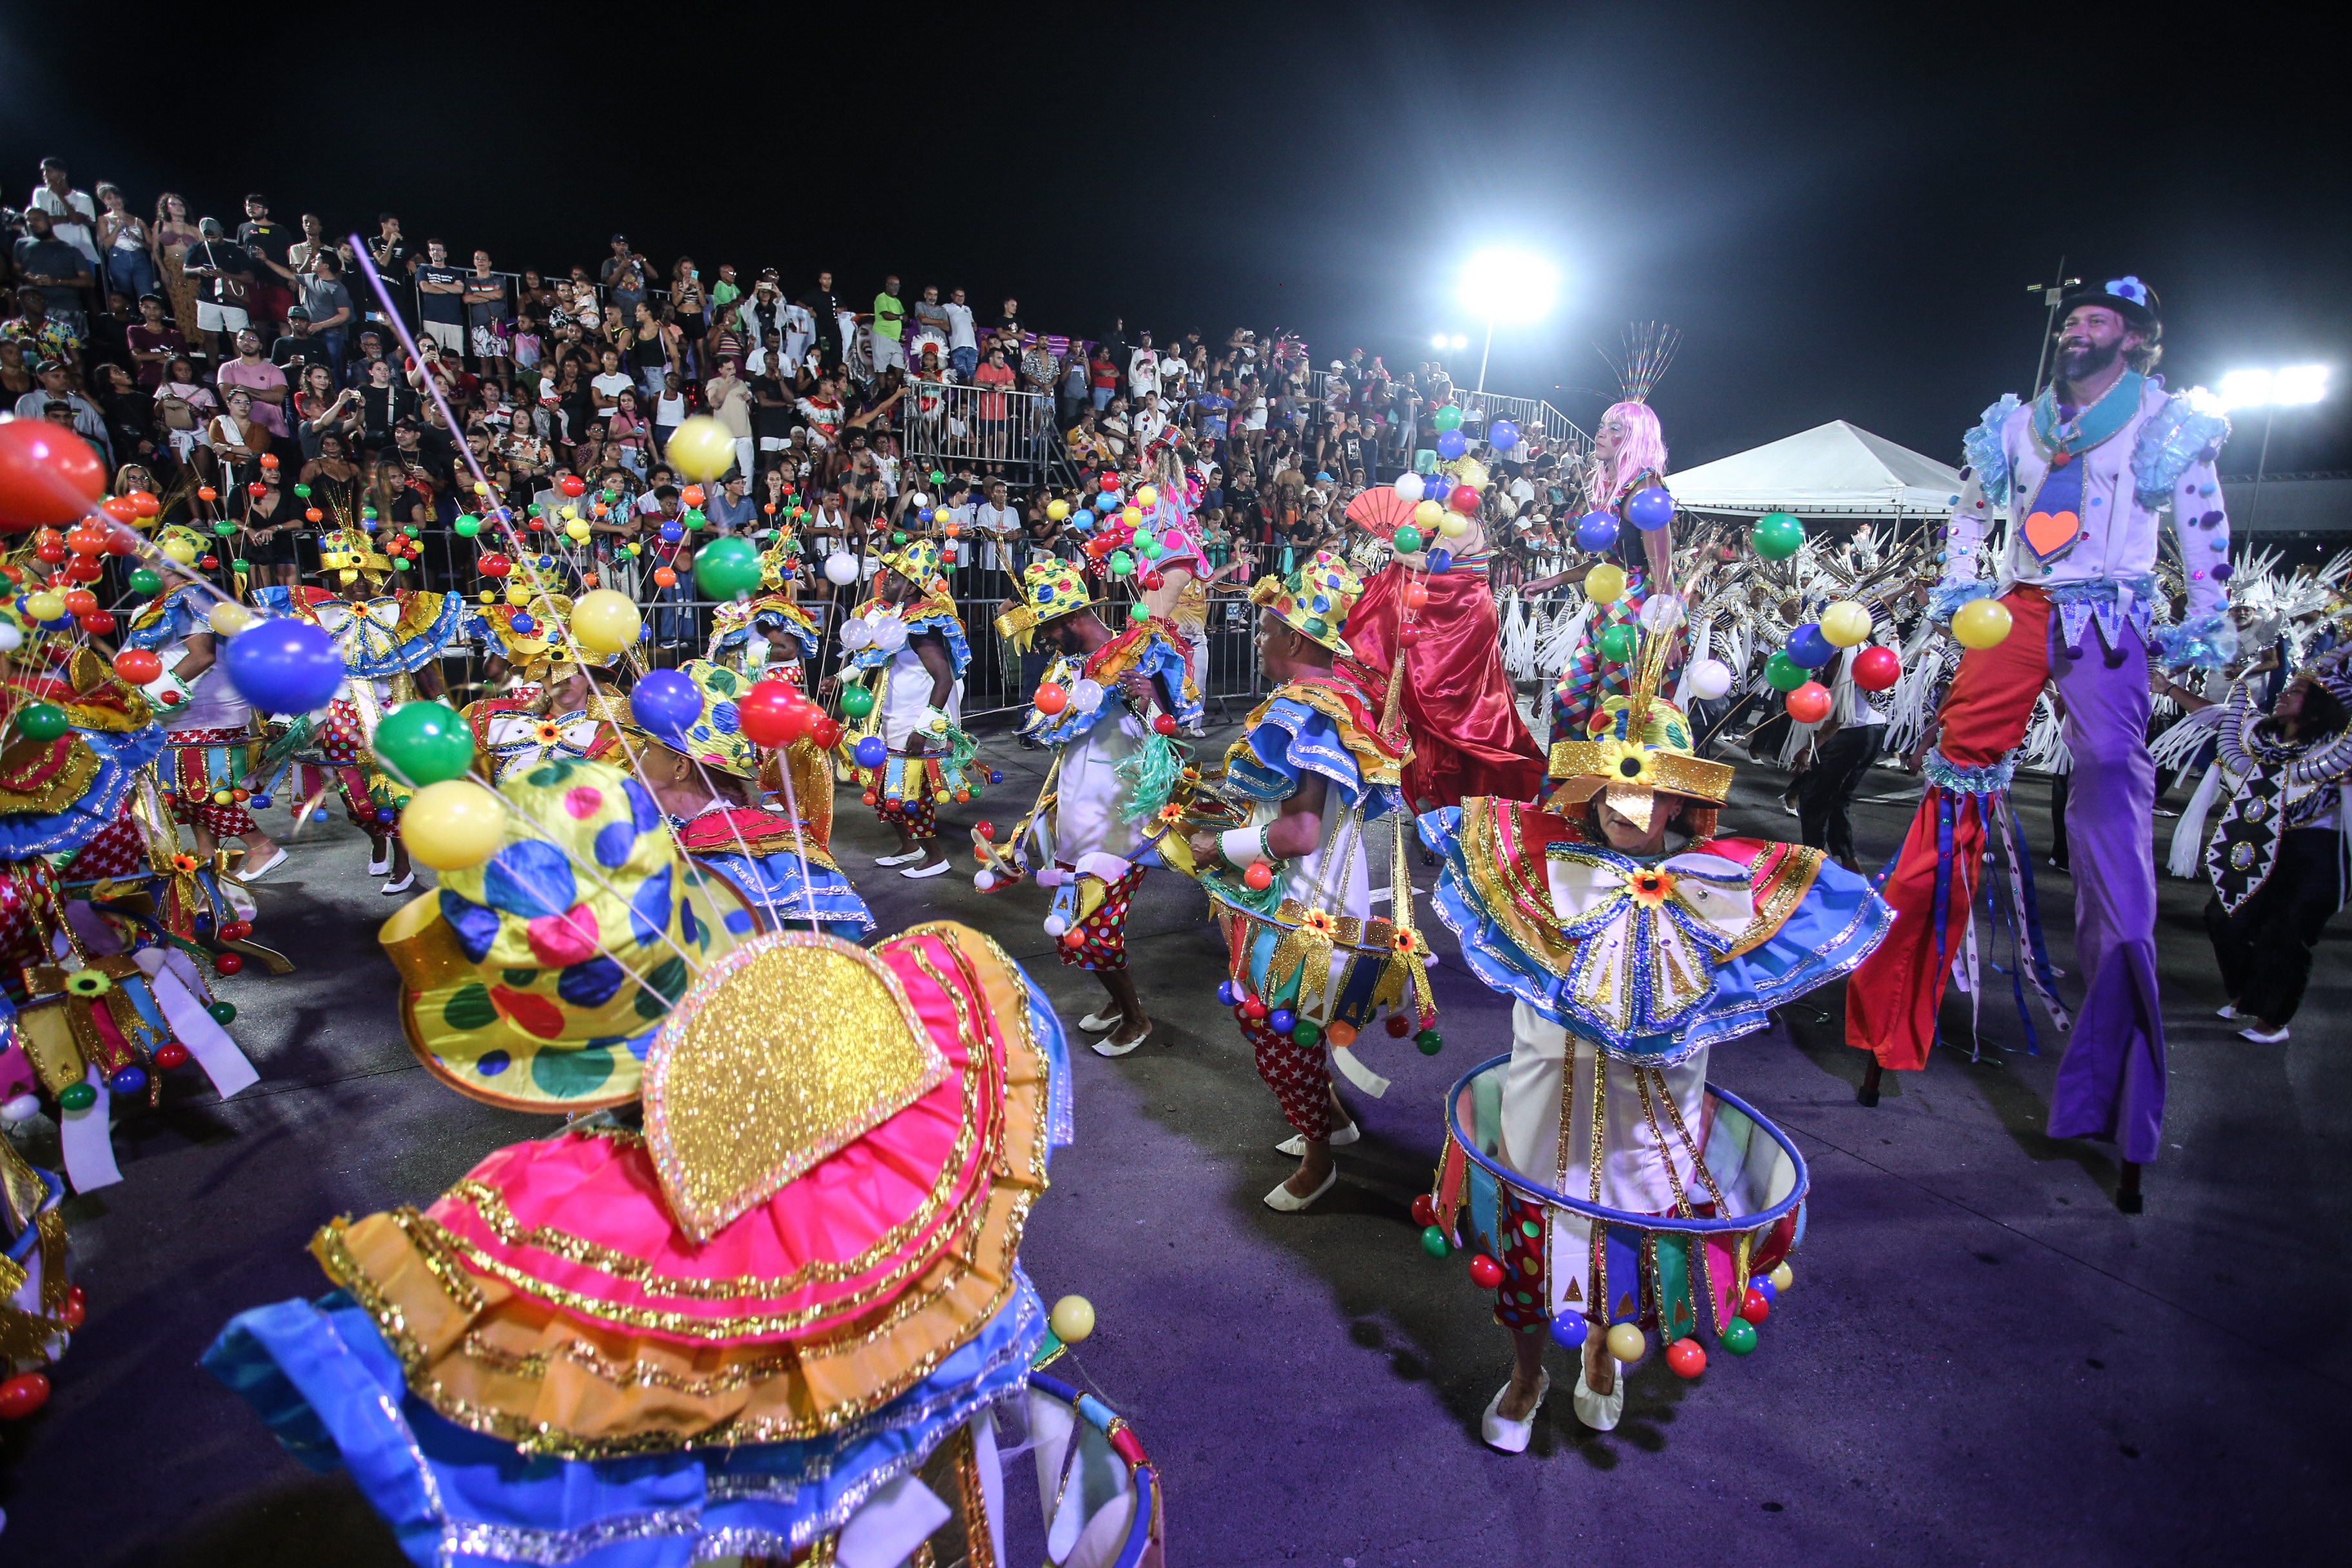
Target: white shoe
[[1511, 1437], [2275, 1037], [380, 868], [255, 873], [898, 860], [1594, 1410], [1282, 1200], [2229, 1010], [401, 885], [1296, 1144], [916, 873], [1110, 1047], [1099, 1022]]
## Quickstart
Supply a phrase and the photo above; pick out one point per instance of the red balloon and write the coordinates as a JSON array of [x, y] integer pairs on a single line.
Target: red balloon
[[987, 830], [27, 1391], [773, 714], [85, 568], [171, 1054], [51, 549], [495, 565], [1109, 483], [1484, 1272], [1051, 698], [1465, 499], [1408, 636], [1425, 1211], [48, 476], [228, 962], [1809, 703], [122, 541], [79, 601], [1255, 1009], [1074, 940], [1400, 1026], [573, 485], [144, 503], [1754, 1307], [1877, 668], [1686, 1358], [137, 665], [825, 732], [1164, 724], [88, 537], [98, 623], [76, 1309]]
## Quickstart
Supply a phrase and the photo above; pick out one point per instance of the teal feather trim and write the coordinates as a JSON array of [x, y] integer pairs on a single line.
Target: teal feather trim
[[1149, 777]]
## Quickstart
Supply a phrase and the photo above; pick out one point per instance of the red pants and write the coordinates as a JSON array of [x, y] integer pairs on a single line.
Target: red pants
[[1520, 1298], [1296, 1074], [1103, 934]]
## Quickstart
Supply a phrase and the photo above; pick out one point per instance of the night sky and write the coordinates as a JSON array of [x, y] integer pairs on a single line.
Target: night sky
[[1840, 210]]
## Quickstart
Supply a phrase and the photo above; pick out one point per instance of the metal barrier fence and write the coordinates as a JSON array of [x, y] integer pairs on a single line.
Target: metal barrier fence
[[1007, 432]]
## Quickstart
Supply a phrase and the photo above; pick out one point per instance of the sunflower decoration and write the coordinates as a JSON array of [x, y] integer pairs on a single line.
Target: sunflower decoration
[[1651, 887]]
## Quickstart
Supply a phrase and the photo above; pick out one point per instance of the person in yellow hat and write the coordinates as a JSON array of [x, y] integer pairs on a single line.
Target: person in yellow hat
[[769, 630], [560, 705], [907, 647], [1101, 708], [707, 778], [1314, 785], [1616, 1191]]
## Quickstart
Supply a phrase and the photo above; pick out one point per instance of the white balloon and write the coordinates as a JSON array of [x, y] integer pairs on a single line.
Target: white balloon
[[11, 639], [841, 568], [23, 1107], [984, 880], [856, 633], [1662, 612], [918, 500], [1710, 678], [1408, 489], [1056, 925], [890, 635], [1086, 696]]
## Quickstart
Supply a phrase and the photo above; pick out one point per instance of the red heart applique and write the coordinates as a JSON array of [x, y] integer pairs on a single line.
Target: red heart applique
[[2046, 533]]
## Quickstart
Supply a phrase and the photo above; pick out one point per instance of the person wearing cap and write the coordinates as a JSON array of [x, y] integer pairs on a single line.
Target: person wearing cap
[[2080, 476], [1631, 941], [1099, 709], [1305, 838]]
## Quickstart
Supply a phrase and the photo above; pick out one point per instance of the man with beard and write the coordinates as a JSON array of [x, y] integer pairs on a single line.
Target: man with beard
[[2080, 475], [1107, 705]]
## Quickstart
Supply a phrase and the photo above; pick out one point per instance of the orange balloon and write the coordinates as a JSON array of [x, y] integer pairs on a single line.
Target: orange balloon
[[664, 577], [691, 495], [587, 579]]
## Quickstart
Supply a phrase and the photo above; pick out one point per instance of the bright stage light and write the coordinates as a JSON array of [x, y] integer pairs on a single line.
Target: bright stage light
[[1440, 340], [2295, 386], [1510, 285], [1461, 340]]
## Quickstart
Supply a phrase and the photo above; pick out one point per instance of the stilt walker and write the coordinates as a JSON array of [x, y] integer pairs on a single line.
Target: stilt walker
[[1108, 706], [1612, 1194], [2083, 477]]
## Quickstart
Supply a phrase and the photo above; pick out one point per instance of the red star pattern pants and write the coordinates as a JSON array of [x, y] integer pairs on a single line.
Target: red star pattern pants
[[192, 784], [1296, 1074], [1102, 935]]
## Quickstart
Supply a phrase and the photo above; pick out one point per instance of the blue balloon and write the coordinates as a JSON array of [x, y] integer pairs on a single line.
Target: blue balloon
[[672, 533], [1225, 993], [522, 623], [1650, 507], [996, 775], [1451, 444], [284, 666], [871, 752], [1596, 531], [664, 702], [1440, 561], [1568, 1330], [1105, 502], [130, 1081], [923, 514], [1503, 435], [1809, 647], [1764, 1287], [258, 803], [1282, 1020]]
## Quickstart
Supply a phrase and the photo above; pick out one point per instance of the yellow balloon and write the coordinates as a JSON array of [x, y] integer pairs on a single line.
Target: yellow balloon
[[1981, 623], [1072, 1319], [1057, 509], [1147, 496], [480, 488], [1427, 516], [1454, 525], [1626, 1343], [700, 449], [567, 513], [1782, 1277], [604, 621], [577, 529], [1605, 585], [1845, 623], [229, 619], [45, 606], [517, 595], [179, 550], [1132, 515], [453, 824], [488, 597]]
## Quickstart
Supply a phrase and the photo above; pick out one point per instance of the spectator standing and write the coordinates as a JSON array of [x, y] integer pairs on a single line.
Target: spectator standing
[[889, 328], [1102, 377], [332, 315], [824, 314], [964, 345], [441, 299], [489, 321], [154, 341], [228, 273], [930, 321], [994, 378], [395, 256], [1142, 370], [124, 245], [173, 235], [57, 269], [726, 291], [71, 213], [1073, 400], [267, 241], [258, 376], [729, 397]]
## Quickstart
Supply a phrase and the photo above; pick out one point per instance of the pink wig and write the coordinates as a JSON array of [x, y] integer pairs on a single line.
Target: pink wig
[[1643, 446]]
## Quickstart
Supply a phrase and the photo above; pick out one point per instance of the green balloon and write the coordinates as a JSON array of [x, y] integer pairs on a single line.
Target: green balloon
[[42, 721], [1408, 539], [1447, 419], [1430, 1041], [857, 701], [1121, 563], [77, 1097], [898, 536], [1776, 535], [1617, 644], [224, 528], [142, 581], [1738, 1336], [1151, 549], [222, 1011], [1785, 674], [727, 567], [1433, 1242], [424, 742], [1137, 614], [937, 477], [368, 512], [468, 525], [302, 490], [1306, 1034], [400, 562], [694, 518]]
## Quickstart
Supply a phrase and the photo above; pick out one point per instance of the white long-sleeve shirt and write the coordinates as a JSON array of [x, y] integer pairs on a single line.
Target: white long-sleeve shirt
[[2160, 461]]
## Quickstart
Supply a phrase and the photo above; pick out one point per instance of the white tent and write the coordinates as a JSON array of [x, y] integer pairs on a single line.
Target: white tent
[[1834, 470]]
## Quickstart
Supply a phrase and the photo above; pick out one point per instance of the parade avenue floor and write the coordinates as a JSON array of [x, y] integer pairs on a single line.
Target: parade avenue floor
[[1981, 1361]]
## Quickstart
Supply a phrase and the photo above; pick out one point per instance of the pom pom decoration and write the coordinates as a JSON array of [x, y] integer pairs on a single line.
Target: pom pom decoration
[[1686, 1358], [1782, 1277], [284, 667], [1754, 1307], [1981, 623], [1569, 1331], [451, 824], [1877, 668], [1626, 1343], [1072, 1318]]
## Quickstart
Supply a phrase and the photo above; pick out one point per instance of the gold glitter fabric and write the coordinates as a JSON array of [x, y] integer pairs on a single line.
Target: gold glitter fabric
[[783, 1051], [552, 1300]]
